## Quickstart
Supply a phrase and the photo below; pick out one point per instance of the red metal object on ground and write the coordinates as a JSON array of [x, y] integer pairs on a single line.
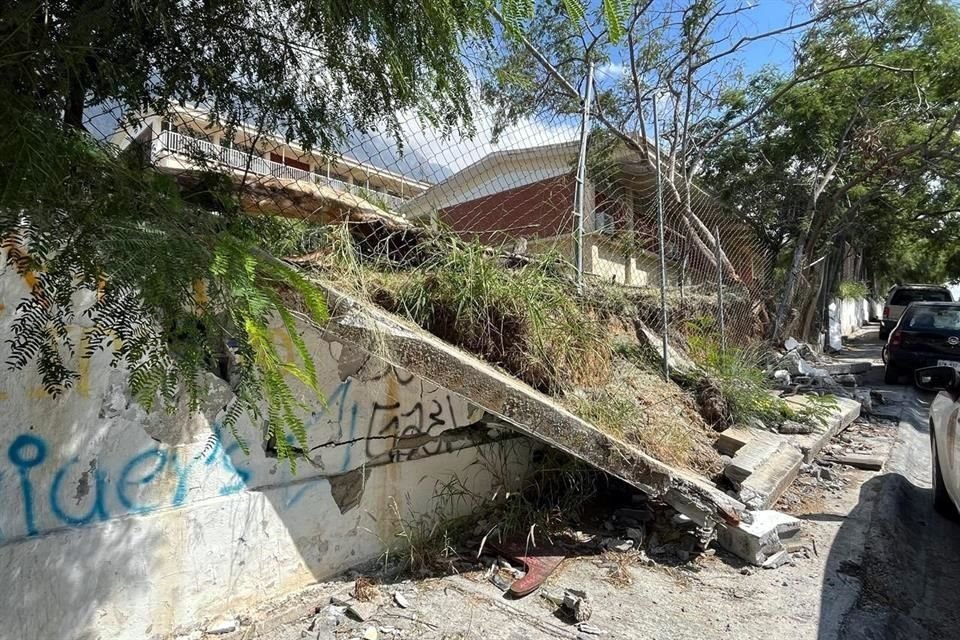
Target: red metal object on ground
[[539, 563]]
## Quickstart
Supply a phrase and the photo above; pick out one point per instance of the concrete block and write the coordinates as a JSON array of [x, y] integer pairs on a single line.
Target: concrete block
[[751, 457], [841, 368], [733, 439], [767, 483], [760, 540]]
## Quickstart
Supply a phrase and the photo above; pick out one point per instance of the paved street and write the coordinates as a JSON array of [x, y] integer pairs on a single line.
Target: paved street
[[877, 564]]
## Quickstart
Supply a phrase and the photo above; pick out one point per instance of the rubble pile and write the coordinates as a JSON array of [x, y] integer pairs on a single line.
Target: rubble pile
[[800, 369]]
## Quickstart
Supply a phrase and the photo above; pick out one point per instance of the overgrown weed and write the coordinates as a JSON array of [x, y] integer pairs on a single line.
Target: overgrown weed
[[738, 375]]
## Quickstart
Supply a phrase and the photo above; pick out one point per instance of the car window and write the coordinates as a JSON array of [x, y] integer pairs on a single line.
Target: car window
[[903, 297], [943, 318]]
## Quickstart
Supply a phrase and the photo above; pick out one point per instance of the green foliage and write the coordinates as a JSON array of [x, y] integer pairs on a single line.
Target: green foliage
[[848, 289], [184, 281], [743, 383], [179, 291], [886, 118], [290, 66]]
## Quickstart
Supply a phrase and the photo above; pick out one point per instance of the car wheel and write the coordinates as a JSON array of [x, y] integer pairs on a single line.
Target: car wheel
[[942, 503], [891, 375]]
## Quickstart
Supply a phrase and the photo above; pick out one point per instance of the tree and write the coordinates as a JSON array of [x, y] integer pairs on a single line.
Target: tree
[[183, 279], [864, 156], [683, 54]]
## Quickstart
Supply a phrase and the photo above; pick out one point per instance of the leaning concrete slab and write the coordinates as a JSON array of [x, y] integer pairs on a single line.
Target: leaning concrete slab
[[527, 411]]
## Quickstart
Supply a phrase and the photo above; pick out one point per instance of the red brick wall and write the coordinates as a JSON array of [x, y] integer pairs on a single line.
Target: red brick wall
[[536, 210]]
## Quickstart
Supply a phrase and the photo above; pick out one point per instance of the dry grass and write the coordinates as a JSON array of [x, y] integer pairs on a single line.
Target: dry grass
[[640, 408], [618, 566], [366, 589]]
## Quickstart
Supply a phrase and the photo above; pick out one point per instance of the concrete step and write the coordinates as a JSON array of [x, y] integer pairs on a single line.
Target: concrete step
[[752, 456], [763, 487]]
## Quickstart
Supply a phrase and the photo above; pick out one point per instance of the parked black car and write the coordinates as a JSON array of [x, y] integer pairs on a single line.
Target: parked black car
[[927, 335]]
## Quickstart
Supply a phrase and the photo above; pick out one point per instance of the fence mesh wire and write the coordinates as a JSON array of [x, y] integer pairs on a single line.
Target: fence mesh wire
[[514, 192]]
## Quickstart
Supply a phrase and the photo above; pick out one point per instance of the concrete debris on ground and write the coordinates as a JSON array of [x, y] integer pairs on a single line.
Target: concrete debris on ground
[[800, 368], [577, 605]]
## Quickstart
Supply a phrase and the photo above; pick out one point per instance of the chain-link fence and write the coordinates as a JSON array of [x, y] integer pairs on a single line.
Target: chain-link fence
[[612, 204]]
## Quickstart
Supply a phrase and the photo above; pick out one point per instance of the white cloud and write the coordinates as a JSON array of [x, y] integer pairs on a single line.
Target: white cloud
[[457, 151], [611, 72]]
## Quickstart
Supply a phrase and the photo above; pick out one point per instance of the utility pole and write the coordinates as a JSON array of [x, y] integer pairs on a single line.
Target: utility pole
[[582, 179], [663, 250]]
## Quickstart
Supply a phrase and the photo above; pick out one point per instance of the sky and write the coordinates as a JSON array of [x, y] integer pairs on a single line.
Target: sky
[[457, 151]]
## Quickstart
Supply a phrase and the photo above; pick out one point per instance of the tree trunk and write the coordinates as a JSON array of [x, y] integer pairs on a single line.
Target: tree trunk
[[790, 286], [76, 101]]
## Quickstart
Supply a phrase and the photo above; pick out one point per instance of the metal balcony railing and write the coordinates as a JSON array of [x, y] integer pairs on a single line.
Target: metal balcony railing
[[203, 150]]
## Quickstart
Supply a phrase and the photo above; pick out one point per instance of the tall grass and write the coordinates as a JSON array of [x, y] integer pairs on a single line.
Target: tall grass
[[524, 319], [739, 375]]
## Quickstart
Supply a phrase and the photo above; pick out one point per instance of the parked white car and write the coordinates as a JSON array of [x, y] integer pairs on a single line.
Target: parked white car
[[899, 298], [944, 436]]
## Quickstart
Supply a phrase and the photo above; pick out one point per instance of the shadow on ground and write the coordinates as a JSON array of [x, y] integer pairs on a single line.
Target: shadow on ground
[[896, 553]]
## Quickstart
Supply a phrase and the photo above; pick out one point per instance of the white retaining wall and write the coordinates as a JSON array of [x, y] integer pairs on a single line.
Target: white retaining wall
[[119, 524], [847, 315]]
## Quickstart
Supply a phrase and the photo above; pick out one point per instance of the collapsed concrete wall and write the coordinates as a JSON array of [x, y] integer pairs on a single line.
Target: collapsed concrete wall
[[117, 523]]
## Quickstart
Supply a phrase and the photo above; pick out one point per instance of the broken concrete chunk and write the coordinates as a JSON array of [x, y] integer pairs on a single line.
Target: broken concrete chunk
[[750, 457], [370, 633], [760, 540], [401, 600], [362, 611], [847, 368], [222, 626], [577, 605], [769, 481], [858, 461], [776, 560], [733, 439]]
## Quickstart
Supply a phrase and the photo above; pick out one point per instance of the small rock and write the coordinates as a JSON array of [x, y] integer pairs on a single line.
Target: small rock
[[577, 605], [362, 611], [825, 474], [401, 600], [499, 581], [680, 520], [623, 546], [193, 635], [747, 571], [222, 626], [590, 630], [370, 633]]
